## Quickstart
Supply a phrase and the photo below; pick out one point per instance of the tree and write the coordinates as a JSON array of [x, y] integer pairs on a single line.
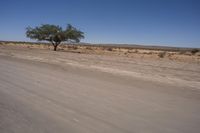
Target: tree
[[54, 34]]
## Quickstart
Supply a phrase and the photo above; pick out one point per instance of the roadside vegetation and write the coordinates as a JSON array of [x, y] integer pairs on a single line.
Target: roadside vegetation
[[131, 51], [162, 54], [54, 34], [194, 51]]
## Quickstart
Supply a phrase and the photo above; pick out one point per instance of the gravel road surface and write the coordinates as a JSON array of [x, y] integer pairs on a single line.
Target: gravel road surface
[[38, 97]]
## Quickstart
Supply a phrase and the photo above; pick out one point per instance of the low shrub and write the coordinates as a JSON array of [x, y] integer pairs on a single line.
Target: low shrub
[[136, 51], [88, 48], [73, 47], [162, 54], [194, 51], [109, 49], [182, 52]]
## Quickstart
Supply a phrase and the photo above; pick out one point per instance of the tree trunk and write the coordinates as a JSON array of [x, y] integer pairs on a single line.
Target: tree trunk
[[55, 47]]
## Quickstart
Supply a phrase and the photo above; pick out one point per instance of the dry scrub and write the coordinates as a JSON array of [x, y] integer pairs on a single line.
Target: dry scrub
[[177, 54]]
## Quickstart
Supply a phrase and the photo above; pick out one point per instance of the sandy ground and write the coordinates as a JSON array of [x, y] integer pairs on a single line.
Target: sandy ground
[[181, 73], [46, 92]]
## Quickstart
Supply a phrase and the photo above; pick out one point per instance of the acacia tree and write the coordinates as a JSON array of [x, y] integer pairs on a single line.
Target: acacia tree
[[54, 34]]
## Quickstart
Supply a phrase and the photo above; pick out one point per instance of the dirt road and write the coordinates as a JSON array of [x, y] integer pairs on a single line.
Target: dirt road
[[37, 97]]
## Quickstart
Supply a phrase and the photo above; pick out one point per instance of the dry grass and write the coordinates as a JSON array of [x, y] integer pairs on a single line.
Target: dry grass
[[179, 54], [162, 54]]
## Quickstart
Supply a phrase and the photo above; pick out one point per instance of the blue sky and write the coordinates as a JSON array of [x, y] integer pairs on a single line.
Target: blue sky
[[149, 22]]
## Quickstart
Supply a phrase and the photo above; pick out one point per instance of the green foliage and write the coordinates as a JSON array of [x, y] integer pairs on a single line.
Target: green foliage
[[73, 34], [54, 34]]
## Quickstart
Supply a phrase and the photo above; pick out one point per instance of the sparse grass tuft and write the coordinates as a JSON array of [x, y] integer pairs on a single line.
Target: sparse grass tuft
[[72, 47], [136, 51], [182, 52], [162, 54], [88, 48], [109, 49], [63, 46], [75, 47]]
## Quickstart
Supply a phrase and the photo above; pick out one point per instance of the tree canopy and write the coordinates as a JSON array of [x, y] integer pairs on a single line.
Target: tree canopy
[[54, 34]]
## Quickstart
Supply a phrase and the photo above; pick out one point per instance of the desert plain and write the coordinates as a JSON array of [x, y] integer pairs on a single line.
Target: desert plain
[[98, 89]]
